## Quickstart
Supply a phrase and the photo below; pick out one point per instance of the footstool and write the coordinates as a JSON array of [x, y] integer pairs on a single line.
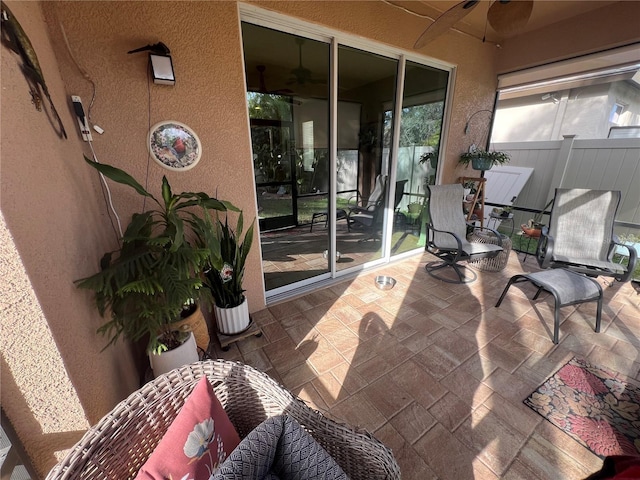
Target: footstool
[[567, 287]]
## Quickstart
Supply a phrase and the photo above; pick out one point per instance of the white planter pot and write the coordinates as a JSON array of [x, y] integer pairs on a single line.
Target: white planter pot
[[183, 355], [232, 320]]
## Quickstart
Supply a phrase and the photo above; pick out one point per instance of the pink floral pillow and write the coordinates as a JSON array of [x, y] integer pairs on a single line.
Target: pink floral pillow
[[196, 443]]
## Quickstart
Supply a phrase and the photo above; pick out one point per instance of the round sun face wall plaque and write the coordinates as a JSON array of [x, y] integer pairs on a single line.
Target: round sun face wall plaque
[[174, 145]]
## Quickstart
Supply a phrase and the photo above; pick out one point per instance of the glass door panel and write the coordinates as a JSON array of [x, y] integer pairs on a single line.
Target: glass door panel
[[287, 97], [366, 84], [420, 128]]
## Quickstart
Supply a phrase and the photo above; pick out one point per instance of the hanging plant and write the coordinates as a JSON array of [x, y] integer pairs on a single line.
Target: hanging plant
[[483, 160]]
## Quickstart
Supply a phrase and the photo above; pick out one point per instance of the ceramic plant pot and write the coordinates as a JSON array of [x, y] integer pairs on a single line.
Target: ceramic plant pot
[[481, 163], [183, 355], [232, 320], [530, 231]]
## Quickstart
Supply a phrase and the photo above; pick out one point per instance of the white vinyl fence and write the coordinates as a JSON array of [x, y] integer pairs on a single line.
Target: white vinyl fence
[[602, 164]]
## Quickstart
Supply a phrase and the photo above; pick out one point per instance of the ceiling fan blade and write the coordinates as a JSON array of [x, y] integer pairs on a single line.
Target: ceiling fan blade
[[445, 21], [509, 17], [263, 86]]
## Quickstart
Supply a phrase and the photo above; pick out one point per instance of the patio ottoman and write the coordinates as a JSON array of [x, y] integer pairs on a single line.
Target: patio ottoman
[[567, 288]]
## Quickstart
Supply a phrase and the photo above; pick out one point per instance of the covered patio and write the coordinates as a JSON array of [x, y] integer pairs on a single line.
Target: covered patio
[[434, 371]]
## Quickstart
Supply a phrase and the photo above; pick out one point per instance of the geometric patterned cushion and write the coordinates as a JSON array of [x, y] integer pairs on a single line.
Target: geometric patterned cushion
[[198, 440], [279, 448]]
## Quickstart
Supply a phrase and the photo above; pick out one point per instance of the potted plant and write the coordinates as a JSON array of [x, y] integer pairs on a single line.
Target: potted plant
[[504, 212], [155, 278], [469, 188], [225, 281], [431, 157], [483, 160]]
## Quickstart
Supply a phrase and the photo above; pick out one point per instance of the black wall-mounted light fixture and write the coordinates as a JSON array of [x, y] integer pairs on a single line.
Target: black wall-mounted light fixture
[[160, 62]]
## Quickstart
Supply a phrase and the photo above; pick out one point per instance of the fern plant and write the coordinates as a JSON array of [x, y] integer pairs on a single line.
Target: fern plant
[[157, 272]]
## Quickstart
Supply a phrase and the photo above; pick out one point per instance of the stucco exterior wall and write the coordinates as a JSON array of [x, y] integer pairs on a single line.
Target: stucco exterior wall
[[55, 379]]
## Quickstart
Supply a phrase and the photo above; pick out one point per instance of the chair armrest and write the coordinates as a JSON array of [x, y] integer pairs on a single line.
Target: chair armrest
[[633, 259], [429, 241], [354, 201], [356, 209], [544, 251]]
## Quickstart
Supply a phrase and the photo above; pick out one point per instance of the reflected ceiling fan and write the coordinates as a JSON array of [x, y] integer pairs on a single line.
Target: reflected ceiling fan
[[504, 16], [263, 86], [302, 75]]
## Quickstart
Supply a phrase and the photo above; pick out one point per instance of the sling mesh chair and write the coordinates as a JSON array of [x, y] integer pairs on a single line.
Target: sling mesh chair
[[372, 220], [580, 234], [368, 205], [447, 235]]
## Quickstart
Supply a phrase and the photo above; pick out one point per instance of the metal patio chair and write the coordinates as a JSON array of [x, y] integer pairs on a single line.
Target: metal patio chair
[[447, 234], [369, 205], [580, 234]]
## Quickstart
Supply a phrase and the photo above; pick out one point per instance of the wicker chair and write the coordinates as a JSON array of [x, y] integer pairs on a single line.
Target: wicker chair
[[122, 441]]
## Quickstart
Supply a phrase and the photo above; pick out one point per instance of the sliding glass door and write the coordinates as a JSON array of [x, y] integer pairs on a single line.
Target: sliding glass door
[[334, 193], [368, 81], [418, 154]]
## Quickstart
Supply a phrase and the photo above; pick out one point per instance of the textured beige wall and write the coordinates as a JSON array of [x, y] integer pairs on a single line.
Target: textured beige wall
[[205, 44], [53, 211]]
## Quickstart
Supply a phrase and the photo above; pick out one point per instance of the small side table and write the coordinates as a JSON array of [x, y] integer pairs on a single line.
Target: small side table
[[494, 264], [529, 238], [494, 218]]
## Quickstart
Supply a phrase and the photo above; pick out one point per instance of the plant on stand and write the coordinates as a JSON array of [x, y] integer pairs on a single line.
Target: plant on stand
[[225, 280], [155, 279]]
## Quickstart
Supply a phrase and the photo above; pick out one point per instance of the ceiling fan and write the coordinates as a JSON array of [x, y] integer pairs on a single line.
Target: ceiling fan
[[302, 75], [504, 16]]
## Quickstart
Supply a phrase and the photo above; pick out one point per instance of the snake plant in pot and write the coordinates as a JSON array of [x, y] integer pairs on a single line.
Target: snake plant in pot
[[230, 305], [147, 287]]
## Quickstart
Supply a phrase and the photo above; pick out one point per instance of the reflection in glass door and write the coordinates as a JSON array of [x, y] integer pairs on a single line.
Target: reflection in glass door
[[273, 163], [287, 97], [371, 86], [288, 85], [423, 99]]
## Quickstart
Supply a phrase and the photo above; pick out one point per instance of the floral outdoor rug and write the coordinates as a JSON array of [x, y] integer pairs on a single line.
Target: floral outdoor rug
[[598, 408]]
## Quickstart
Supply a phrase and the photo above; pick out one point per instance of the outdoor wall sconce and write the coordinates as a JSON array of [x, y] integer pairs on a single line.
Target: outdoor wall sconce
[[160, 62]]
